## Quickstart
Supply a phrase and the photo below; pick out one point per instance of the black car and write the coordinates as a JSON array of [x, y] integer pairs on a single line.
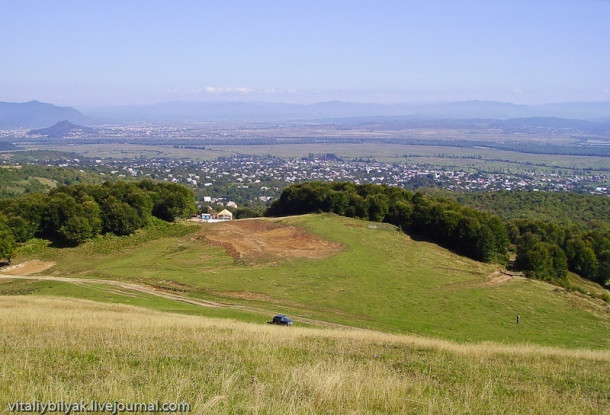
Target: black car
[[281, 320]]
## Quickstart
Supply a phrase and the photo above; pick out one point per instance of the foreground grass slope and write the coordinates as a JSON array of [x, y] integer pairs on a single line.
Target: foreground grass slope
[[67, 349], [380, 279]]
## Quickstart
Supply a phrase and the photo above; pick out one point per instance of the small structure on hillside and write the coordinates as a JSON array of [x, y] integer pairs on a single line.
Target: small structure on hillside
[[225, 215]]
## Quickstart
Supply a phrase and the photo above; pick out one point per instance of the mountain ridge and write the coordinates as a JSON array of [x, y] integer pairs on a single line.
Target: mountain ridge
[[205, 111], [36, 114]]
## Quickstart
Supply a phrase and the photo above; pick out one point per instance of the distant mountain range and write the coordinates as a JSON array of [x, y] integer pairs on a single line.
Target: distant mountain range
[[181, 111], [36, 114]]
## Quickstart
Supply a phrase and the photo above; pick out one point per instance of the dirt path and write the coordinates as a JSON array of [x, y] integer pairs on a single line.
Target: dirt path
[[27, 268], [502, 277], [140, 288]]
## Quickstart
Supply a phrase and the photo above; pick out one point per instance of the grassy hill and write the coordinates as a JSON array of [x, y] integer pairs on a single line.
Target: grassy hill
[[323, 270], [68, 349]]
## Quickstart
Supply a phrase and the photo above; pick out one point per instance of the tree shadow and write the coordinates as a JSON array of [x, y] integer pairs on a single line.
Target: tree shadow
[[59, 244]]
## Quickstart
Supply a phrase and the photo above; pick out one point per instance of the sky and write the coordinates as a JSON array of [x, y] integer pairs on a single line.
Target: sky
[[93, 53]]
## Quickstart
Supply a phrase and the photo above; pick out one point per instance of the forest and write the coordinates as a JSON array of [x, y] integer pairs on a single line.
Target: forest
[[582, 210], [544, 249], [72, 214], [23, 179]]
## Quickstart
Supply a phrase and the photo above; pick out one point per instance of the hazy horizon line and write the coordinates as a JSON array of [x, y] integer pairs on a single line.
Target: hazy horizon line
[[285, 102]]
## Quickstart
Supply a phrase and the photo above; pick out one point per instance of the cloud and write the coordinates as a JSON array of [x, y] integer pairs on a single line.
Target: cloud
[[220, 90], [240, 90]]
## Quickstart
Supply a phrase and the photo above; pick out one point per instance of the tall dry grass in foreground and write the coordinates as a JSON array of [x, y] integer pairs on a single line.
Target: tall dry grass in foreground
[[54, 349]]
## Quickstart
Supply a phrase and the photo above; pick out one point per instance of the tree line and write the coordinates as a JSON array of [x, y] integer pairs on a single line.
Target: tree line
[[75, 213], [544, 250], [554, 232], [548, 250]]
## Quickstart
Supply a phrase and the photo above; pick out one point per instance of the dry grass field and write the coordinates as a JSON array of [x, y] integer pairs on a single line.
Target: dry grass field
[[69, 349]]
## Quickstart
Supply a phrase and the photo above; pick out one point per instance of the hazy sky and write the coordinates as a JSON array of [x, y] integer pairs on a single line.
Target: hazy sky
[[113, 52]]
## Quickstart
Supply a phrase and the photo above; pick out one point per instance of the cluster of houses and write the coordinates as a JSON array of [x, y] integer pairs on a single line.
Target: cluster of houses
[[221, 216], [261, 178]]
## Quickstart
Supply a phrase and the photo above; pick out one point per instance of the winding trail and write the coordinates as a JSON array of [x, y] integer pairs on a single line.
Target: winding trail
[[141, 288]]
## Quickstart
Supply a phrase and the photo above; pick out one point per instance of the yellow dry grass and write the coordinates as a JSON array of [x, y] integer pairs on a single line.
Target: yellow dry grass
[[72, 350]]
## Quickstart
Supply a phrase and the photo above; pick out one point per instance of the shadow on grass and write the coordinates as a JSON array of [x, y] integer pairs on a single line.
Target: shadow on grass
[[59, 244]]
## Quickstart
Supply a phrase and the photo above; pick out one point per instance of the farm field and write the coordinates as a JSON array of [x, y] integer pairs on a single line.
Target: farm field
[[486, 159], [323, 270], [66, 349]]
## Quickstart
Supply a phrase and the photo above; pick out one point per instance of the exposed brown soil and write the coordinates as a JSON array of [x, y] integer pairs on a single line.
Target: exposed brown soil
[[497, 278], [27, 268], [260, 239]]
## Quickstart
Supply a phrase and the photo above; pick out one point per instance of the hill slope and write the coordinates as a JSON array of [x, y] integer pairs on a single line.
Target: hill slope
[[65, 349], [365, 275], [62, 129]]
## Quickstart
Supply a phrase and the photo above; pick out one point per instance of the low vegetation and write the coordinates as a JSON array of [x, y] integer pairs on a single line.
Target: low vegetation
[[64, 349]]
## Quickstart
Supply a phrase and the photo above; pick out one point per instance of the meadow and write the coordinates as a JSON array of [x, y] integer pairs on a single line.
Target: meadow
[[73, 350], [379, 279]]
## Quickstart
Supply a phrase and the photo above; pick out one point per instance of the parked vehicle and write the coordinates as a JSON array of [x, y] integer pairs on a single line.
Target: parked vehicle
[[281, 320]]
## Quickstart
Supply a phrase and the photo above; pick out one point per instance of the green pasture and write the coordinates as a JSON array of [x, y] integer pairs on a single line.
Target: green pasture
[[382, 280]]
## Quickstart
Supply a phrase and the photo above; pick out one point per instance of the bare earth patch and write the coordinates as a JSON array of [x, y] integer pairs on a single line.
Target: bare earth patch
[[259, 239], [498, 278], [27, 268], [495, 278]]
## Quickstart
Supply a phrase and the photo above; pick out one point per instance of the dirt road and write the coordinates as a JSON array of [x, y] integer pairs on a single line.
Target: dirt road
[[141, 288]]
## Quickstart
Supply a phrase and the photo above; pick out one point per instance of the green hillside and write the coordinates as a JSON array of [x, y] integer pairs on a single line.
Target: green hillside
[[354, 273]]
